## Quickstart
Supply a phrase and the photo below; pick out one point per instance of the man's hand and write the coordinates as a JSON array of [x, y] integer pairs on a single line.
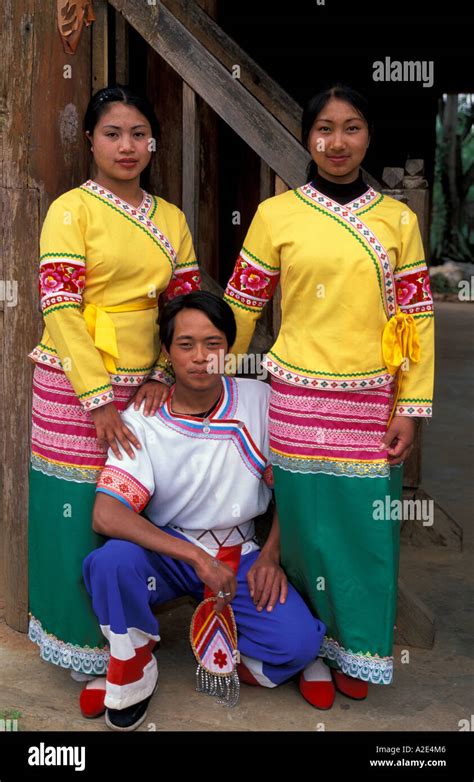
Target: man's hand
[[219, 577], [111, 430], [267, 582], [398, 439], [154, 392]]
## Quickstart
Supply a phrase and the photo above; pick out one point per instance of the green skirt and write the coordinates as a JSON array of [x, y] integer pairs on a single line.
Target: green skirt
[[339, 545], [344, 563], [62, 621], [65, 464]]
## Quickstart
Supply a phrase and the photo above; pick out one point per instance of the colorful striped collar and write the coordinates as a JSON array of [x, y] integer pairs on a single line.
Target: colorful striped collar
[[221, 425], [107, 195], [225, 408], [320, 198]]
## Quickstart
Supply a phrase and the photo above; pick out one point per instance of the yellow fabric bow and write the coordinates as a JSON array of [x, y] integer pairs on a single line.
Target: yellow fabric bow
[[400, 343], [102, 328]]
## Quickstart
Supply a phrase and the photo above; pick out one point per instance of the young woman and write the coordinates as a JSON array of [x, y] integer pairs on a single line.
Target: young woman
[[108, 251], [351, 370]]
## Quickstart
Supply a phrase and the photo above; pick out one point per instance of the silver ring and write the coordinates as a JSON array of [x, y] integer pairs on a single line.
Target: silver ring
[[223, 594]]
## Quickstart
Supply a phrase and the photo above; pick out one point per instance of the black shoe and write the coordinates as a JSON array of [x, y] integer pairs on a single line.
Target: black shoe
[[130, 717]]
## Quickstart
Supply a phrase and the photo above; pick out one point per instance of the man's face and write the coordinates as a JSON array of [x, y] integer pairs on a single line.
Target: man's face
[[196, 341]]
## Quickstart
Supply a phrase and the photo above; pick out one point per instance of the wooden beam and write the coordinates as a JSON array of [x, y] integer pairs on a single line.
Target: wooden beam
[[190, 183], [121, 50], [280, 187], [35, 168], [267, 181], [228, 52], [206, 239], [266, 190], [100, 46], [17, 343], [3, 412], [18, 59], [213, 82], [164, 90], [207, 227]]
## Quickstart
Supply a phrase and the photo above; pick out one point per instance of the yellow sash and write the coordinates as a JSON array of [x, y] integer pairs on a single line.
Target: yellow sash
[[400, 342], [102, 329]]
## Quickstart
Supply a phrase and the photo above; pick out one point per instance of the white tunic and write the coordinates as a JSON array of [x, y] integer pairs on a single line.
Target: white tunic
[[207, 478]]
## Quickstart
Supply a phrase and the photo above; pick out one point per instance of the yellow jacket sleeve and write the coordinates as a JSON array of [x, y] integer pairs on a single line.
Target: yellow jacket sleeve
[[412, 285], [62, 282], [185, 278], [253, 280]]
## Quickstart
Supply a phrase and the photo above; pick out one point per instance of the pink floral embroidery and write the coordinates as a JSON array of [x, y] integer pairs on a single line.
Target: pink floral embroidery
[[253, 280], [426, 287], [50, 281], [69, 278], [179, 289], [405, 292], [182, 282], [247, 279], [413, 291], [78, 277]]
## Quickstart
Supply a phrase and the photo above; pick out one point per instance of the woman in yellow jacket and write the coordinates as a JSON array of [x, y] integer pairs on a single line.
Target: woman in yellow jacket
[[109, 250], [351, 370]]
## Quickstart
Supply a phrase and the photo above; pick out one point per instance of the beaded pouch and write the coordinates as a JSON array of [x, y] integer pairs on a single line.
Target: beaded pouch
[[213, 639]]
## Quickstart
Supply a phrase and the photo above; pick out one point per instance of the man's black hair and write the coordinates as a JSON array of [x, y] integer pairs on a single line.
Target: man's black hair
[[216, 309]]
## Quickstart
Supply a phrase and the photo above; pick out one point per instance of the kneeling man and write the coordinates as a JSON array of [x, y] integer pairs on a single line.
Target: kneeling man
[[202, 475]]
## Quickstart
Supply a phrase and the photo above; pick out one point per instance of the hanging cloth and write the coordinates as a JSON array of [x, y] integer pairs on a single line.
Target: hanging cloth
[[71, 16]]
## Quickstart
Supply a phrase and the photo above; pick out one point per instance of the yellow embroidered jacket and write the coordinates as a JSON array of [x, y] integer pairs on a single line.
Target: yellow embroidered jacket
[[103, 266], [356, 305]]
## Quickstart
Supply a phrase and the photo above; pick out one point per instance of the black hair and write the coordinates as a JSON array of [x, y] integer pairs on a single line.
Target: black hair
[[216, 309], [317, 103], [123, 94]]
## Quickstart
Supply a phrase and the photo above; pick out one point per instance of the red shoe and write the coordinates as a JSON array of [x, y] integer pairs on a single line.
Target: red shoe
[[316, 685], [92, 697], [352, 688], [246, 676]]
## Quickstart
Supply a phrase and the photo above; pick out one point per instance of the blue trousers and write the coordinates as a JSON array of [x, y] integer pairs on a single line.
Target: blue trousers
[[126, 581]]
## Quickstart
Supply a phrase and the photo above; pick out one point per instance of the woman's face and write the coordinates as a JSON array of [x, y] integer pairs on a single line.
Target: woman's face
[[121, 142], [338, 141]]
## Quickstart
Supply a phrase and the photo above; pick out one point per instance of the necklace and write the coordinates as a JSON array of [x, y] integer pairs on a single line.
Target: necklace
[[205, 414]]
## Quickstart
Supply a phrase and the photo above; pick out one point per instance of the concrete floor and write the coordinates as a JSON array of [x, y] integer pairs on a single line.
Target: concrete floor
[[432, 691]]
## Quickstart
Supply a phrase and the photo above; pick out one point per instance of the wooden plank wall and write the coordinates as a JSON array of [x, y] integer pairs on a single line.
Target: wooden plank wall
[[185, 168], [42, 154]]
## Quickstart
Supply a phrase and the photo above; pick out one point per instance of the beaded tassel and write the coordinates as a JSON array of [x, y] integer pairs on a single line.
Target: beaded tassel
[[226, 688]]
